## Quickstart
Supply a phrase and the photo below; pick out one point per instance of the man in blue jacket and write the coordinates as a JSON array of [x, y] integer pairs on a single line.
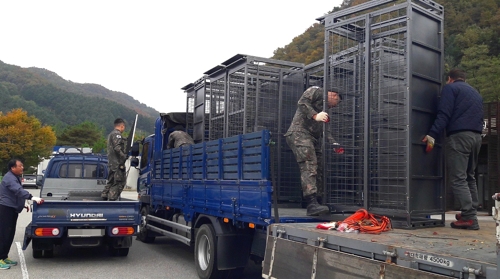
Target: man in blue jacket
[[460, 113], [12, 200]]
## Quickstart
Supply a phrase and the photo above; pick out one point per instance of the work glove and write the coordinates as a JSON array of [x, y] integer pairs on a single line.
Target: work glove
[[430, 143], [322, 117], [37, 200], [337, 149]]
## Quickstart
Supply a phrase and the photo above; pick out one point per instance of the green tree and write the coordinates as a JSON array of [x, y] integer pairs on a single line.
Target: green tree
[[86, 134], [482, 71], [24, 137]]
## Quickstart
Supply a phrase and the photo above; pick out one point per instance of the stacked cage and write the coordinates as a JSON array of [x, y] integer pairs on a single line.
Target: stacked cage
[[492, 141], [245, 94], [385, 58], [197, 108]]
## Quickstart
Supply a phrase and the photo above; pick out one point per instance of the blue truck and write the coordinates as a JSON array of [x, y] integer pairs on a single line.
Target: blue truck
[[215, 196], [73, 212]]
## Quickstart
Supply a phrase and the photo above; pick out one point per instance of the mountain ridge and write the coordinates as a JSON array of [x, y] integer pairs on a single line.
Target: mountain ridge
[[62, 103]]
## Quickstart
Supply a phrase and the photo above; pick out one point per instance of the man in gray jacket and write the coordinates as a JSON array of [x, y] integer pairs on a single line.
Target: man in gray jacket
[[117, 177], [179, 138], [12, 200]]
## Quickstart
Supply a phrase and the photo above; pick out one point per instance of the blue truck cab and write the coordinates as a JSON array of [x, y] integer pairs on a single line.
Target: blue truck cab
[[73, 212]]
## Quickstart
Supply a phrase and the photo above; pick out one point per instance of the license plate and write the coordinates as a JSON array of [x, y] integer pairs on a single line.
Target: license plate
[[85, 232]]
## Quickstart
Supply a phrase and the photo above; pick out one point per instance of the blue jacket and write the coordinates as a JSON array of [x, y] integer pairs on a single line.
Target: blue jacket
[[12, 193], [460, 109]]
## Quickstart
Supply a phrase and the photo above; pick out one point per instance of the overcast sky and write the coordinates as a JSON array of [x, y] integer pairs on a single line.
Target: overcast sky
[[147, 49]]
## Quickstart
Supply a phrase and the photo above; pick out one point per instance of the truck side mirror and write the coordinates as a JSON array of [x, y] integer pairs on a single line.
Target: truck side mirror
[[135, 149], [134, 162]]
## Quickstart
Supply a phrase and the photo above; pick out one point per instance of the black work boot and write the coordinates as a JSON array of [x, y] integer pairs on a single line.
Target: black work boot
[[314, 208]]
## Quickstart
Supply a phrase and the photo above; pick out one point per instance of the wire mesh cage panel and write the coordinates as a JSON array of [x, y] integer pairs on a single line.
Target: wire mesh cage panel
[[198, 105], [289, 182], [190, 97], [386, 59], [345, 74], [218, 104], [249, 94], [314, 75]]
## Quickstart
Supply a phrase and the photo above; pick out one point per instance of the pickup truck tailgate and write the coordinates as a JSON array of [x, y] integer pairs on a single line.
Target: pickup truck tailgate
[[84, 213]]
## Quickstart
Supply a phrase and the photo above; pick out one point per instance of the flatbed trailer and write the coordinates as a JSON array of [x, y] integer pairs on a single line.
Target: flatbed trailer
[[438, 252]]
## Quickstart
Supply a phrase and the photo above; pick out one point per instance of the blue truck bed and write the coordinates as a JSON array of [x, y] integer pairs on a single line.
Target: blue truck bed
[[227, 178]]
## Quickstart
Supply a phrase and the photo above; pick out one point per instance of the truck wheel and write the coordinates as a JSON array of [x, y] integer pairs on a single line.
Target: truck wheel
[[143, 231], [48, 253], [235, 273], [123, 252], [205, 253], [37, 254]]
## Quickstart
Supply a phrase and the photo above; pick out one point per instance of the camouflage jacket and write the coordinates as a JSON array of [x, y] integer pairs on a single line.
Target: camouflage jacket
[[310, 103], [179, 138], [116, 149]]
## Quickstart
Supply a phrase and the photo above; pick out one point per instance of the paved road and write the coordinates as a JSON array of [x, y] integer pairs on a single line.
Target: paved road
[[165, 258]]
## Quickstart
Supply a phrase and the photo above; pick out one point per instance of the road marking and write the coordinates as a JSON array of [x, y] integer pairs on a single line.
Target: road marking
[[22, 261]]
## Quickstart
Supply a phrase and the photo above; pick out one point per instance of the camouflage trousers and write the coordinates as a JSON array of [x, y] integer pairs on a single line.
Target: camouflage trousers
[[116, 182], [309, 156]]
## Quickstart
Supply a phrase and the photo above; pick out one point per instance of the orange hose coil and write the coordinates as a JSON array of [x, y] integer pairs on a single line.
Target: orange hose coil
[[366, 222]]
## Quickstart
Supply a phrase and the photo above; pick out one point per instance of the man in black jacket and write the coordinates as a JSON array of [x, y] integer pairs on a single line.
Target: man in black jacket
[[460, 112]]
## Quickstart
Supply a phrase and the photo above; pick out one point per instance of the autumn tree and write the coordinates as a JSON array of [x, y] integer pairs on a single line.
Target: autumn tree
[[24, 137]]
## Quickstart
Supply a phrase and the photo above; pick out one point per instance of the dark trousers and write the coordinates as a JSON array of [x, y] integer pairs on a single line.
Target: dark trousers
[[462, 152], [7, 229], [116, 182]]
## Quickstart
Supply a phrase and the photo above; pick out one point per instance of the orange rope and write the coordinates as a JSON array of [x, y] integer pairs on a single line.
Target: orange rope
[[366, 222]]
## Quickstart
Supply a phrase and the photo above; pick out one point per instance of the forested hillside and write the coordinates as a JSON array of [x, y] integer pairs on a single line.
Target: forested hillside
[[61, 103], [472, 42]]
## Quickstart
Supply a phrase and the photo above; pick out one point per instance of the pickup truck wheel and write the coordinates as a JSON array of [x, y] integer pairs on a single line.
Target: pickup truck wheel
[[235, 273], [143, 231], [113, 251], [205, 253], [48, 253], [123, 252], [37, 254]]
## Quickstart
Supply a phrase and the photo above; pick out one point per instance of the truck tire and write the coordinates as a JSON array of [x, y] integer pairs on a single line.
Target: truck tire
[[118, 252], [113, 252], [37, 254], [143, 231], [48, 253], [205, 253], [235, 273], [123, 252]]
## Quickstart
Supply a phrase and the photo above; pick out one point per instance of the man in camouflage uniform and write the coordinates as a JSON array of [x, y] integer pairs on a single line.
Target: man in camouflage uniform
[[304, 138], [179, 138], [116, 162]]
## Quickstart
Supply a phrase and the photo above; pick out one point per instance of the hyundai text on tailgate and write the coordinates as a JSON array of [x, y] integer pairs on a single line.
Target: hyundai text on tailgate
[[74, 213]]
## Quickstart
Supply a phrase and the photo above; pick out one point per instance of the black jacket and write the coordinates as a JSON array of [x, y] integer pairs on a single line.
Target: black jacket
[[460, 109]]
